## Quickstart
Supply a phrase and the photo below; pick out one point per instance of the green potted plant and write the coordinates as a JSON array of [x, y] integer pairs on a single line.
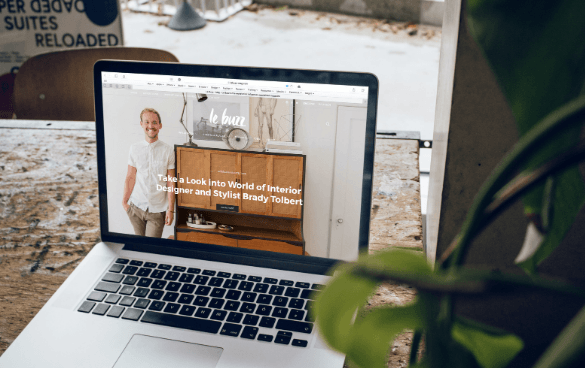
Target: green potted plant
[[539, 61]]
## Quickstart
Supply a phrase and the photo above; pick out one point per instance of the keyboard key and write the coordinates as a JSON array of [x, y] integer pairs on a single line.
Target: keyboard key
[[188, 289], [144, 282], [201, 280], [112, 277], [317, 287], [294, 326], [179, 268], [292, 292], [122, 261], [284, 333], [127, 301], [158, 274], [136, 263], [159, 284], [172, 276], [208, 273], [269, 280], [235, 317], [132, 314], [203, 312], [280, 301], [310, 294], [201, 301], [173, 286], [141, 292], [280, 312], [303, 285], [231, 284], [254, 278], [249, 332], [142, 303], [130, 280], [155, 294], [264, 299], [172, 308], [280, 339], [232, 305], [157, 306], [186, 278], [224, 275], [108, 287], [216, 303], [150, 265], [251, 319], [129, 270], [267, 322], [233, 294], [144, 272], [187, 310], [217, 293], [190, 323], [193, 270], [86, 307], [116, 311], [246, 286], [165, 267], [261, 288], [296, 314], [186, 298], [239, 276], [286, 283], [116, 268], [264, 310], [112, 298], [249, 297], [218, 315], [215, 281], [127, 290], [203, 290], [276, 290], [296, 303], [96, 296], [170, 296], [299, 343], [267, 338], [248, 308], [230, 329]]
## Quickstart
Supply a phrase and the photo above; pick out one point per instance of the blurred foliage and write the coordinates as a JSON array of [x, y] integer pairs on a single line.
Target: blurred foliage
[[537, 52]]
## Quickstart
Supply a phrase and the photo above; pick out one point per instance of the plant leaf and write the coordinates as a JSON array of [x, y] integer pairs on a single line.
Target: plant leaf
[[372, 334], [492, 348], [336, 306], [540, 66]]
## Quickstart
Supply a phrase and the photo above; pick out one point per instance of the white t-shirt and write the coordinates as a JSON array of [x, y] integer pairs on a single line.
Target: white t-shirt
[[150, 161]]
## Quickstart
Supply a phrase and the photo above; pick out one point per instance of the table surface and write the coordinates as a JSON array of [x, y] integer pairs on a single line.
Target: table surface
[[49, 206]]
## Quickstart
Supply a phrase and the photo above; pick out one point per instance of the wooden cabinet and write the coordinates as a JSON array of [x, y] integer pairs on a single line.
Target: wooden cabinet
[[259, 194]]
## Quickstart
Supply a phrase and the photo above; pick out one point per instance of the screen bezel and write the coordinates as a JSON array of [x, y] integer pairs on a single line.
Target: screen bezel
[[266, 259]]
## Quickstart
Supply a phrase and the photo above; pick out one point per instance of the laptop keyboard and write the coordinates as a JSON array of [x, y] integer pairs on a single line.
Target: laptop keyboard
[[246, 306]]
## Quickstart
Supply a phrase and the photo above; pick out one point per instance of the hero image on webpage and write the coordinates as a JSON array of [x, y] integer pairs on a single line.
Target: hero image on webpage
[[250, 172]]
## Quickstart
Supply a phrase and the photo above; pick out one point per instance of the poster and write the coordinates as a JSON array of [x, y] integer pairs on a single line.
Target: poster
[[32, 27]]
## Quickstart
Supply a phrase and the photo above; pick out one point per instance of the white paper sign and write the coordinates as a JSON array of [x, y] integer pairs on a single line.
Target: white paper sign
[[32, 27]]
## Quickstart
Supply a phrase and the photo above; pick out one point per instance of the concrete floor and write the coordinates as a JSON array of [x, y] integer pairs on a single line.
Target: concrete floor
[[406, 65]]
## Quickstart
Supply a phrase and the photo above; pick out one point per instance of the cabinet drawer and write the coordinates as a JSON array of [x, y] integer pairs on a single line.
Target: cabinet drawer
[[271, 245], [217, 239]]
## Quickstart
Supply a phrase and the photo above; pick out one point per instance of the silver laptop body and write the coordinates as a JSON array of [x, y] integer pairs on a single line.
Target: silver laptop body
[[273, 171]]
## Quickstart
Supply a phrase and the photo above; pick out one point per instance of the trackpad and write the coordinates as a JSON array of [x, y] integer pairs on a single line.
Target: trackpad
[[147, 351]]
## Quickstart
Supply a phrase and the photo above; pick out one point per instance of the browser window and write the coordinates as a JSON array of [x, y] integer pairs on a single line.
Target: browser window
[[262, 165]]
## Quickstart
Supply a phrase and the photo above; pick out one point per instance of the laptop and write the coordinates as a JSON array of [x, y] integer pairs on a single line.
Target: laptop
[[226, 196]]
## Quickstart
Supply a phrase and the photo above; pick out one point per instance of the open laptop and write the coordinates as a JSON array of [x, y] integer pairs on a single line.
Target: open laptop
[[226, 194]]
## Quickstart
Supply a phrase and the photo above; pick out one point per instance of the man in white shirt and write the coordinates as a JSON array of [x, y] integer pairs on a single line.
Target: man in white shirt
[[149, 162]]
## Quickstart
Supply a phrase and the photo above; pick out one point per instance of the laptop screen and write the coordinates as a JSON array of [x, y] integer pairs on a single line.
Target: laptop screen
[[265, 165]]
